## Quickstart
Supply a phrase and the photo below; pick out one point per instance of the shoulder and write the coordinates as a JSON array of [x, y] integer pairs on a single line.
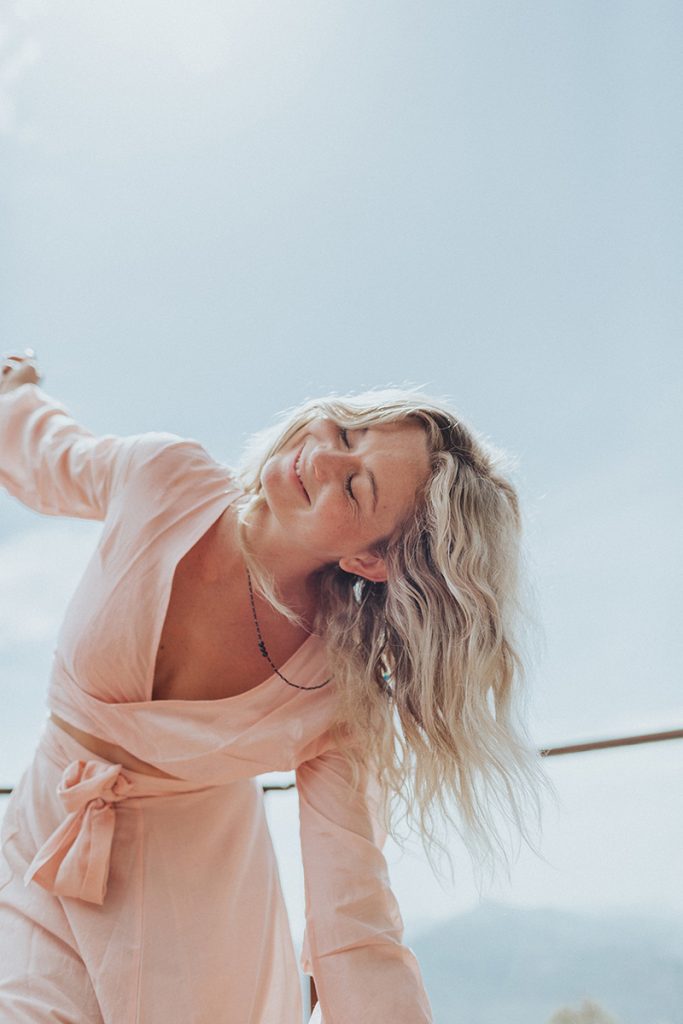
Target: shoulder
[[162, 464], [161, 450]]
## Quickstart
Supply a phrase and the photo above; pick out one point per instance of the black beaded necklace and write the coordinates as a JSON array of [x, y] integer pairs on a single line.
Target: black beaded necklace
[[262, 647]]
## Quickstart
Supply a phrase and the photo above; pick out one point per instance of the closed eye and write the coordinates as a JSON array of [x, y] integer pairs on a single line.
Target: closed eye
[[344, 435], [348, 487]]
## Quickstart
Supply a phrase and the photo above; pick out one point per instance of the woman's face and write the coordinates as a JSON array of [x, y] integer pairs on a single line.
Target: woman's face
[[337, 492]]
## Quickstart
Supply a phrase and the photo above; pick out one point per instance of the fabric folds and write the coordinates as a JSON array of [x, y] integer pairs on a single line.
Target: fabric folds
[[161, 879], [74, 860]]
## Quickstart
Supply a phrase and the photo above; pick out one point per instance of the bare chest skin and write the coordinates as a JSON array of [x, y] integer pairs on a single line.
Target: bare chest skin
[[208, 646]]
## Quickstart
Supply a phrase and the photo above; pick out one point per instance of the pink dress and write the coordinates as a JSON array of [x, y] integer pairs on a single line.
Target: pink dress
[[132, 899]]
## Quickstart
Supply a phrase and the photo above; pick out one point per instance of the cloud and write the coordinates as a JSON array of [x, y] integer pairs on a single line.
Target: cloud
[[39, 569], [607, 559], [17, 56]]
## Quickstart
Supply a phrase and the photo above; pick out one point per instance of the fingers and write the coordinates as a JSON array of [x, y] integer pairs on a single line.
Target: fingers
[[18, 368], [28, 353]]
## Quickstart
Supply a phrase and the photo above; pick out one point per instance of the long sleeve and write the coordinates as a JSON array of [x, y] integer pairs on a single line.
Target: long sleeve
[[54, 465], [353, 944]]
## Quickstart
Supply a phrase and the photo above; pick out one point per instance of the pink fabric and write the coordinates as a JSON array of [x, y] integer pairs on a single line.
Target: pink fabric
[[193, 928], [156, 495], [74, 861]]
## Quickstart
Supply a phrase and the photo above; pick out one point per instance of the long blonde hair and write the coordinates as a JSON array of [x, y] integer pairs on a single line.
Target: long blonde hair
[[428, 665]]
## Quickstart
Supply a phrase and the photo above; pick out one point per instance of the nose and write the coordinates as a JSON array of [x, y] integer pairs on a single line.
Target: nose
[[326, 462]]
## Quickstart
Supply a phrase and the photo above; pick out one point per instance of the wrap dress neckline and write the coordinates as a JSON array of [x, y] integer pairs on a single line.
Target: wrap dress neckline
[[167, 889], [199, 529]]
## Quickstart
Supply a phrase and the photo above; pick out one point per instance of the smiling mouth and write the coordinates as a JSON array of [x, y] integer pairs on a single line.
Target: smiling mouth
[[298, 474]]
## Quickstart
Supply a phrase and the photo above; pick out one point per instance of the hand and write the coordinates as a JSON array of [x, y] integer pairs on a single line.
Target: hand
[[18, 369]]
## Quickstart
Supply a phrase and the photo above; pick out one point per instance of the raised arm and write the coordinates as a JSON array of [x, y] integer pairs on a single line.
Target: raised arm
[[49, 461], [353, 946]]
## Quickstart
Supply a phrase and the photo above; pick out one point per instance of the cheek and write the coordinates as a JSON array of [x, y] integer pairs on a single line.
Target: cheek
[[267, 475], [324, 520], [338, 529], [273, 481]]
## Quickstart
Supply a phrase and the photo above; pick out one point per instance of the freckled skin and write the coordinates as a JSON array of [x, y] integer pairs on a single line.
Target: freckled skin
[[330, 525]]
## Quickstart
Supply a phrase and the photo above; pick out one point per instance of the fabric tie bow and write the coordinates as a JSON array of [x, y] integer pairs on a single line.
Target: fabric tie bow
[[74, 860]]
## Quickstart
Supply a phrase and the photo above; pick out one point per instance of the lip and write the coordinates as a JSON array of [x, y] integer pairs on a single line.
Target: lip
[[293, 473]]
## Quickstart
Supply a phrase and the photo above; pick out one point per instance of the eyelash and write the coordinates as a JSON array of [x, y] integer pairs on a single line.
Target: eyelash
[[344, 434]]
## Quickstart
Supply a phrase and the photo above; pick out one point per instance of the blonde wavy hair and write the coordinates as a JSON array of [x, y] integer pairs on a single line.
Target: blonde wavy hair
[[429, 670]]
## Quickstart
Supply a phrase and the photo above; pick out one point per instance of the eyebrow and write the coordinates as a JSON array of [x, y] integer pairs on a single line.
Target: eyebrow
[[373, 484], [373, 481]]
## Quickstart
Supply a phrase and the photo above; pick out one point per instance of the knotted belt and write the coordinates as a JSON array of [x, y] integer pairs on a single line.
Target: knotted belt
[[74, 860]]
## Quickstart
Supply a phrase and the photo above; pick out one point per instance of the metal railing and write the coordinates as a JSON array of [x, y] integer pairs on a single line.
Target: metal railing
[[569, 748], [620, 741]]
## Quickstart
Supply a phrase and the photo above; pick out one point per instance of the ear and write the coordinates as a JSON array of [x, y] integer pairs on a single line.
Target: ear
[[368, 565]]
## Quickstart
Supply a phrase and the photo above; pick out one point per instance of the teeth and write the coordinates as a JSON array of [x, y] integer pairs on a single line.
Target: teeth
[[296, 470]]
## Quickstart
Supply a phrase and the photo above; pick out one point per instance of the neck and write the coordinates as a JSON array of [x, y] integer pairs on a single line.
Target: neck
[[294, 573]]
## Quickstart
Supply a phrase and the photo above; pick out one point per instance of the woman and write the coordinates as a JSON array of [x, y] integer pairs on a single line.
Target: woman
[[342, 607]]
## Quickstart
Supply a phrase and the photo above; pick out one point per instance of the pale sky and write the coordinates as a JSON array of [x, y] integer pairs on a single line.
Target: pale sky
[[214, 210]]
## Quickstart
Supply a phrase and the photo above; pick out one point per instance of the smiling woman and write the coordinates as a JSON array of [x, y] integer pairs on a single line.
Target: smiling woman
[[416, 534], [340, 493], [382, 540]]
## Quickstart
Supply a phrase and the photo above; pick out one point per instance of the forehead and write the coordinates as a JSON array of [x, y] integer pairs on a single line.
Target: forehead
[[399, 452], [402, 435]]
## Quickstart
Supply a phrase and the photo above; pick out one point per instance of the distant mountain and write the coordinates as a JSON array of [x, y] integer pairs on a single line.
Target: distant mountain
[[509, 965]]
